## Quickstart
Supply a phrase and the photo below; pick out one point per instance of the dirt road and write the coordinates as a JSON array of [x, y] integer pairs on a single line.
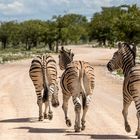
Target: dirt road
[[19, 111]]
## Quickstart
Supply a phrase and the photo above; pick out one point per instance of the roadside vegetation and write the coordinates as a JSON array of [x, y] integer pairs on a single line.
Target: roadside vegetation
[[10, 54], [25, 39]]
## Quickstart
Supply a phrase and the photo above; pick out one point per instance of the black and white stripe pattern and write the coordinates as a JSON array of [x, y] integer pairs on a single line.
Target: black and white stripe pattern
[[76, 101], [77, 81], [43, 73], [124, 58]]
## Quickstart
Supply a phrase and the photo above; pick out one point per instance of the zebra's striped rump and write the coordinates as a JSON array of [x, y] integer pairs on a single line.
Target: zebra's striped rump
[[43, 73], [76, 77]]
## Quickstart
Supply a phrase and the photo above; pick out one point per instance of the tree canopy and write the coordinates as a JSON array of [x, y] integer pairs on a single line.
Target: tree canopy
[[120, 23], [112, 24]]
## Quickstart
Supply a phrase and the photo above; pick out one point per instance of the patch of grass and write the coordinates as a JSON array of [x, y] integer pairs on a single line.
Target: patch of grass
[[13, 54], [120, 72]]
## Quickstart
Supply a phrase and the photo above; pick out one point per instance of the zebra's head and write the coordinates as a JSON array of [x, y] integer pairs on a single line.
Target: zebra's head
[[65, 57], [55, 101], [115, 62], [124, 53]]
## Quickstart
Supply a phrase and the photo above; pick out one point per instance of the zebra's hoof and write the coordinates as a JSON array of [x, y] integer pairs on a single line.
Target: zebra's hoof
[[40, 118], [50, 116], [77, 129], [68, 122], [45, 116], [55, 104], [137, 133], [128, 128], [83, 127]]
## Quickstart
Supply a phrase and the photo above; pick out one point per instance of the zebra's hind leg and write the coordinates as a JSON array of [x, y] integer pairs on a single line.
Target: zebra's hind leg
[[50, 113], [45, 111], [86, 101], [39, 102], [125, 113], [138, 129], [136, 98], [85, 109], [77, 105], [65, 109]]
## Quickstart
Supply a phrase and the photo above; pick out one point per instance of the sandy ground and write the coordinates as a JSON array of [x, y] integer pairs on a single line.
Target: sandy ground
[[19, 111]]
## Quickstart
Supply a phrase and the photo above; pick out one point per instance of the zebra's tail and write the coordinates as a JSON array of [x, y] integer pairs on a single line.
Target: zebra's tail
[[45, 95], [45, 80], [83, 101], [81, 78]]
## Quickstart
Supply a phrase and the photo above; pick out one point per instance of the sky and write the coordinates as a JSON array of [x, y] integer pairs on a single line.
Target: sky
[[21, 10]]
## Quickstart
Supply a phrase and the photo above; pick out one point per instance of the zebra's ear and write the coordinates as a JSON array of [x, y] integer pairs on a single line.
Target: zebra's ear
[[119, 45], [72, 54], [133, 48], [62, 48]]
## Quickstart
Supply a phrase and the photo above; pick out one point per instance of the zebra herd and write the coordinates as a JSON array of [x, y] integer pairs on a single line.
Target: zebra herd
[[77, 81]]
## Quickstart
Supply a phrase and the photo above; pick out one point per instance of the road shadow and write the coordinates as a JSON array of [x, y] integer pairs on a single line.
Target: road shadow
[[70, 133], [102, 136], [43, 130], [19, 120], [110, 137], [60, 130]]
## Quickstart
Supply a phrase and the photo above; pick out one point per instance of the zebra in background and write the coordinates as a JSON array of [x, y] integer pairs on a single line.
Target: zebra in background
[[124, 58], [77, 81], [43, 73]]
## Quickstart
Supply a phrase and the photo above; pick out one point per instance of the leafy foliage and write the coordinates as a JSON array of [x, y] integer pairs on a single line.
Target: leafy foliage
[[120, 23], [112, 24]]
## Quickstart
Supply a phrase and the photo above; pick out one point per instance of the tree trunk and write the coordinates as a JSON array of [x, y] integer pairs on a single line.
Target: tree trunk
[[26, 45], [29, 47], [50, 46], [34, 43], [57, 44], [104, 42], [4, 44]]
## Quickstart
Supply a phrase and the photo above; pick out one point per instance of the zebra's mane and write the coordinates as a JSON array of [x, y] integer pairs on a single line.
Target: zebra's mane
[[67, 56], [132, 50]]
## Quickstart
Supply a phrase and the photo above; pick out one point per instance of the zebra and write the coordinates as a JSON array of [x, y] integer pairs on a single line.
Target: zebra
[[76, 81], [124, 58], [43, 73]]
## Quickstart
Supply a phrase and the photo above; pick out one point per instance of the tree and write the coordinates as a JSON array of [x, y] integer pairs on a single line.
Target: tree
[[127, 25], [14, 37], [5, 31], [71, 28], [30, 32], [116, 24], [101, 26]]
